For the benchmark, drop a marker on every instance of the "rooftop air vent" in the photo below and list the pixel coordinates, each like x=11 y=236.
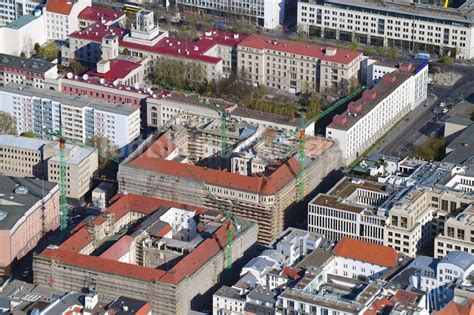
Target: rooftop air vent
x=3 y=215
x=21 y=190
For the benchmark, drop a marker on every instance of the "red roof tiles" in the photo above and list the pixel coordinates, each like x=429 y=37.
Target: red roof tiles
x=453 y=308
x=380 y=306
x=96 y=32
x=119 y=69
x=97 y=14
x=310 y=50
x=77 y=241
x=224 y=38
x=59 y=6
x=153 y=159
x=119 y=248
x=367 y=252
x=107 y=261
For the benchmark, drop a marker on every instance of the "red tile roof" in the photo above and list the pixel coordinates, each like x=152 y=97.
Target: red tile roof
x=96 y=32
x=163 y=231
x=59 y=6
x=264 y=42
x=404 y=297
x=153 y=159
x=77 y=241
x=119 y=69
x=453 y=308
x=176 y=47
x=380 y=306
x=367 y=252
x=291 y=272
x=223 y=37
x=119 y=248
x=97 y=14
x=103 y=265
x=107 y=261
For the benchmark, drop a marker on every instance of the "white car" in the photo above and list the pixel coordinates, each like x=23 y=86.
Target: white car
x=442 y=104
x=445 y=110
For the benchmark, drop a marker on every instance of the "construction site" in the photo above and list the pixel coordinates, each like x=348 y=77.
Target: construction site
x=148 y=249
x=228 y=165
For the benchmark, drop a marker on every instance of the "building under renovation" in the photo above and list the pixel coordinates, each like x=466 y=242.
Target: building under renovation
x=208 y=162
x=148 y=249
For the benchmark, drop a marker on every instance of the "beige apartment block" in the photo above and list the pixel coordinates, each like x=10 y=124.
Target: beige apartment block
x=294 y=66
x=20 y=156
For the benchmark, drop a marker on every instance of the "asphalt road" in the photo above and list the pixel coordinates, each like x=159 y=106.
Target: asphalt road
x=420 y=122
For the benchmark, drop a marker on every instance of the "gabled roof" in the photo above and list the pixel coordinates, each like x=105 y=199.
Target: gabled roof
x=460 y=308
x=97 y=14
x=119 y=69
x=366 y=252
x=59 y=6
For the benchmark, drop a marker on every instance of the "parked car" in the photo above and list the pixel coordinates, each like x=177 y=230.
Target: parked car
x=445 y=110
x=442 y=104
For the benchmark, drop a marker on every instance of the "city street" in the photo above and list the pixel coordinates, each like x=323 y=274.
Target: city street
x=420 y=124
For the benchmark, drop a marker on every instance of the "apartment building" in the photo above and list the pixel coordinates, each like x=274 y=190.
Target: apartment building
x=415 y=26
x=81 y=118
x=368 y=118
x=13 y=9
x=293 y=66
x=350 y=209
x=458 y=234
x=25 y=71
x=30 y=209
x=62 y=17
x=30 y=157
x=268 y=14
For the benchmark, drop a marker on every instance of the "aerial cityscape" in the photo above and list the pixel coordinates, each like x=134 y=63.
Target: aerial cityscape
x=244 y=157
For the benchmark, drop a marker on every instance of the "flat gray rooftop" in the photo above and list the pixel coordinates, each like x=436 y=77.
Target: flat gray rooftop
x=411 y=10
x=22 y=142
x=70 y=100
x=34 y=65
x=14 y=205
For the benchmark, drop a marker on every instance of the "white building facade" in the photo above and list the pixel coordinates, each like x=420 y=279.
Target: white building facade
x=266 y=13
x=366 y=120
x=11 y=10
x=62 y=18
x=408 y=25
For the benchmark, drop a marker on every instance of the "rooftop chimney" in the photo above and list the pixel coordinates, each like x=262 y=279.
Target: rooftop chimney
x=339 y=120
x=369 y=95
x=389 y=78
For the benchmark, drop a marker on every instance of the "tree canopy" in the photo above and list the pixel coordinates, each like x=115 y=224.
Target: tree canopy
x=7 y=124
x=48 y=51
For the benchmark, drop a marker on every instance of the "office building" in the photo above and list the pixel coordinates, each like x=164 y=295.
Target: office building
x=81 y=118
x=29 y=209
x=257 y=170
x=24 y=71
x=170 y=247
x=294 y=66
x=350 y=209
x=268 y=14
x=30 y=157
x=403 y=24
x=457 y=235
x=380 y=108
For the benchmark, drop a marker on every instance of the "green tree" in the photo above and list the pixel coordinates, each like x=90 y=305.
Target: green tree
x=48 y=51
x=430 y=150
x=354 y=45
x=77 y=67
x=392 y=53
x=107 y=150
x=368 y=51
x=446 y=60
x=28 y=134
x=381 y=50
x=7 y=124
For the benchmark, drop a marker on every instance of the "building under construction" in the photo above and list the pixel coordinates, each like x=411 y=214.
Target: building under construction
x=251 y=170
x=148 y=249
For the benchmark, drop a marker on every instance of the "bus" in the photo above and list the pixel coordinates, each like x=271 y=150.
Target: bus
x=131 y=7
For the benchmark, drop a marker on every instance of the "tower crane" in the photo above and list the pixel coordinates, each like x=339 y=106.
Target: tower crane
x=228 y=211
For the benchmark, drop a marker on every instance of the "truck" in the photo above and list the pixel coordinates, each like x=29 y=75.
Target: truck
x=422 y=56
